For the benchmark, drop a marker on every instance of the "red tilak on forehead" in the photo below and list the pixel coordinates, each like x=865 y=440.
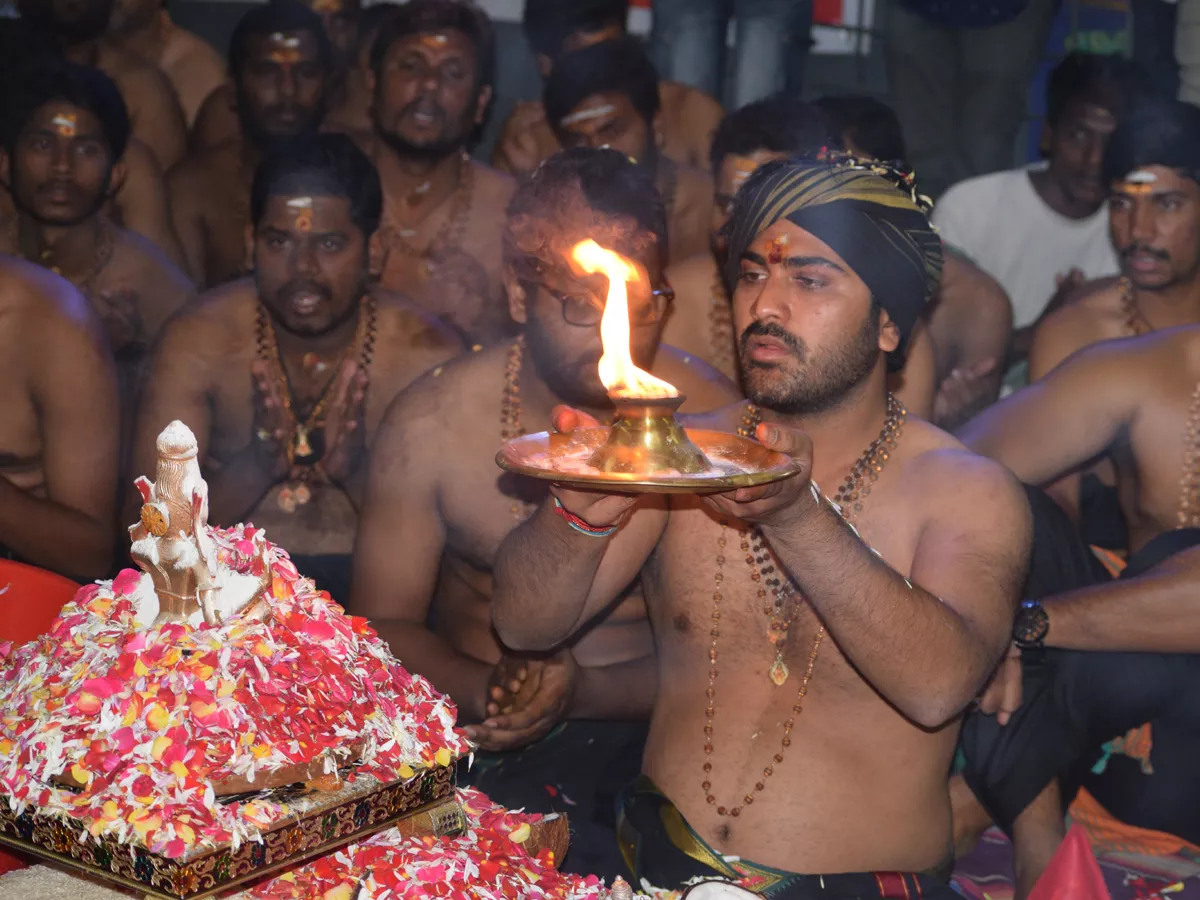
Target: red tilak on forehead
x=778 y=250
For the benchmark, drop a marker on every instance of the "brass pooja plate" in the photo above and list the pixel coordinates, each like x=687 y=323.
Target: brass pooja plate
x=323 y=823
x=553 y=456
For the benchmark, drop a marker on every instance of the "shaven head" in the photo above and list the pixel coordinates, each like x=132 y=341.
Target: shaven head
x=865 y=126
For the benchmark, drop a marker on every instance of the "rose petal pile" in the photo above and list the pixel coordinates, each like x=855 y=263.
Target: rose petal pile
x=488 y=862
x=151 y=718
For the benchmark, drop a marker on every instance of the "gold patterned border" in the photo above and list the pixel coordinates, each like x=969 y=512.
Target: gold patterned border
x=313 y=834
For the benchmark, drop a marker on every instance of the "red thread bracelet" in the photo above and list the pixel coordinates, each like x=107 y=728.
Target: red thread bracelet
x=579 y=524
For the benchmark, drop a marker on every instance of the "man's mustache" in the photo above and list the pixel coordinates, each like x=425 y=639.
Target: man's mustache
x=771 y=330
x=1144 y=250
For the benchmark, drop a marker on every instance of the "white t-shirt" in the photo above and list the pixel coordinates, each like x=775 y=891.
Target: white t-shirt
x=1006 y=228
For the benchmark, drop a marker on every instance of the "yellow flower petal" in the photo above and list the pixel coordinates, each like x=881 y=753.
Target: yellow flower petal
x=179 y=770
x=139 y=668
x=521 y=833
x=443 y=757
x=80 y=774
x=160 y=745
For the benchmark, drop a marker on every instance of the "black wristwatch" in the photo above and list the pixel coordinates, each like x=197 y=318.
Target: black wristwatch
x=1031 y=626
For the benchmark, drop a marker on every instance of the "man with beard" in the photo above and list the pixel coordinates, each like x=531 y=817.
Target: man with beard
x=64 y=137
x=799 y=657
x=606 y=95
x=217 y=121
x=58 y=440
x=140 y=202
x=280 y=61
x=1040 y=232
x=554 y=29
x=701 y=320
x=1152 y=172
x=1103 y=656
x=194 y=68
x=444 y=501
x=78 y=27
x=432 y=69
x=285 y=377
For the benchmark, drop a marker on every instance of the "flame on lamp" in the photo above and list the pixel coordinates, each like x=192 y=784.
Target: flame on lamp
x=618 y=374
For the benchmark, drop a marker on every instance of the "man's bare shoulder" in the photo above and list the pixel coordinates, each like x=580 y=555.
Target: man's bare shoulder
x=493 y=187
x=133 y=74
x=402 y=321
x=704 y=387
x=139 y=254
x=38 y=298
x=189 y=53
x=216 y=320
x=199 y=171
x=941 y=474
x=688 y=101
x=455 y=399
x=1092 y=313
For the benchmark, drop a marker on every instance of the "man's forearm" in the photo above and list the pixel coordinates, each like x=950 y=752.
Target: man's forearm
x=1155 y=612
x=53 y=536
x=544 y=572
x=912 y=648
x=425 y=653
x=621 y=691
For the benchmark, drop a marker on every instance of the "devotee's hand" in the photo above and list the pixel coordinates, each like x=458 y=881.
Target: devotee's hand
x=345 y=431
x=600 y=510
x=962 y=391
x=505 y=683
x=272 y=426
x=118 y=311
x=1066 y=284
x=544 y=700
x=1002 y=697
x=780 y=502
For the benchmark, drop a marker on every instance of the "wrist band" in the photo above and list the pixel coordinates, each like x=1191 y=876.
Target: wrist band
x=581 y=526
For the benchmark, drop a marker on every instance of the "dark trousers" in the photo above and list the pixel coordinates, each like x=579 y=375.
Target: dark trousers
x=1075 y=701
x=961 y=94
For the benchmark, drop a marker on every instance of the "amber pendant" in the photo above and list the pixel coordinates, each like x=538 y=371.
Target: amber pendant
x=301 y=448
x=778 y=671
x=303 y=493
x=287 y=500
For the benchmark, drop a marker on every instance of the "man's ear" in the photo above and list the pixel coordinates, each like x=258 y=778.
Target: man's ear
x=889 y=333
x=116 y=178
x=517 y=297
x=1044 y=139
x=482 y=104
x=376 y=256
x=248 y=237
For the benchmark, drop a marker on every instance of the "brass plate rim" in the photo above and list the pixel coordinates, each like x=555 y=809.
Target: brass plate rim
x=781 y=465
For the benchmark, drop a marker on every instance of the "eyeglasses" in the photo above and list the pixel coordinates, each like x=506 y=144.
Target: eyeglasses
x=583 y=308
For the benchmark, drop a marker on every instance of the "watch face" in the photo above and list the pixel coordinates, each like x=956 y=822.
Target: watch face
x=1032 y=624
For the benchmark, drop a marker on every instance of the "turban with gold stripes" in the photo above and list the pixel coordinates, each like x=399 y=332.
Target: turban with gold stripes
x=867 y=212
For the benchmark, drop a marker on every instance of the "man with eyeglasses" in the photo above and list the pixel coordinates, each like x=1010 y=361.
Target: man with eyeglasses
x=437 y=507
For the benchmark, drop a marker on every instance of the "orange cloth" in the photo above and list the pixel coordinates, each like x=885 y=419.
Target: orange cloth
x=1109 y=835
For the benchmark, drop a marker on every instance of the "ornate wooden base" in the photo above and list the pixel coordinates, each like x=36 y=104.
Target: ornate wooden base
x=321 y=823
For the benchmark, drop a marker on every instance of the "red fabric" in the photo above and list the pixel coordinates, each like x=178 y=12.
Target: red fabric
x=32 y=600
x=827 y=12
x=11 y=863
x=1073 y=873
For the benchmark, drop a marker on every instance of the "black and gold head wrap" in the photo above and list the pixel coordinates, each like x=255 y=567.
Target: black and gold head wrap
x=869 y=213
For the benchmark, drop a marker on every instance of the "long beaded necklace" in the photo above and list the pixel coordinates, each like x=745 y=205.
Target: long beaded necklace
x=305 y=446
x=450 y=235
x=1135 y=323
x=782 y=613
x=720 y=323
x=1189 y=488
x=510 y=413
x=1188 y=515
